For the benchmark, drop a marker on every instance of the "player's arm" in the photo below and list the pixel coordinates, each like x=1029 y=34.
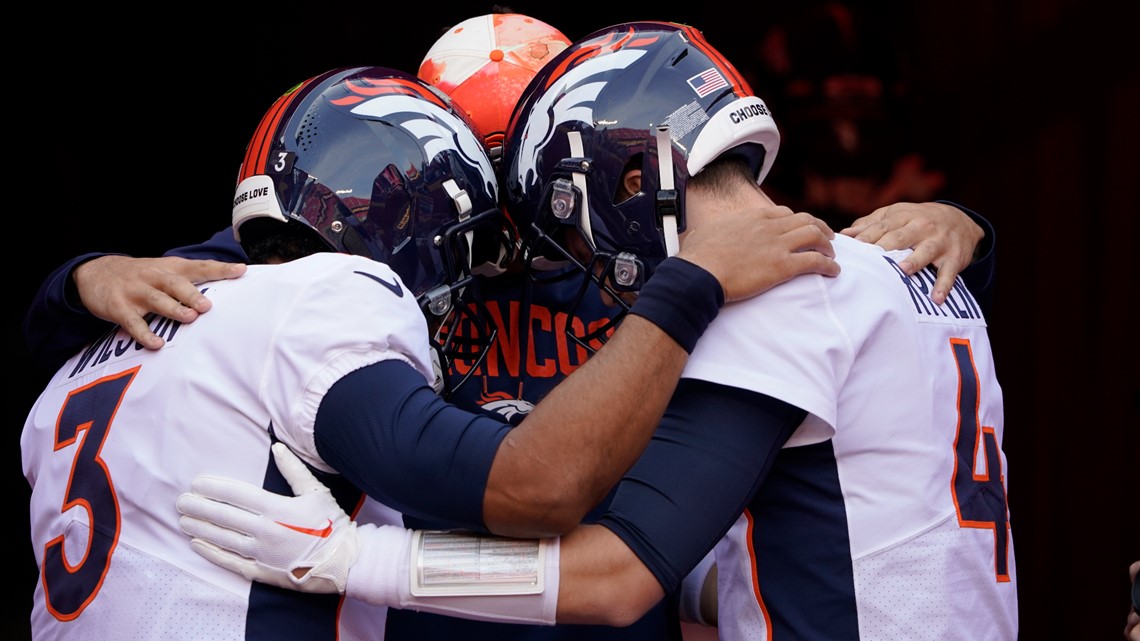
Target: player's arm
x=86 y=295
x=949 y=236
x=712 y=450
x=405 y=446
x=412 y=451
x=56 y=324
x=589 y=430
x=659 y=526
x=422 y=457
x=979 y=275
x=662 y=522
x=714 y=447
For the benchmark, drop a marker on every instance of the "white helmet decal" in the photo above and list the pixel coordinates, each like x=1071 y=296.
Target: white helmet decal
x=441 y=132
x=569 y=99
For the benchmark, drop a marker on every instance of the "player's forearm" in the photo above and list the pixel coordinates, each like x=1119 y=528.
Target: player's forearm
x=585 y=435
x=56 y=323
x=979 y=275
x=602 y=581
x=589 y=576
x=579 y=441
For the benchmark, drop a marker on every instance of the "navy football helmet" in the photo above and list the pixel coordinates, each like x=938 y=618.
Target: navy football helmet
x=653 y=96
x=379 y=163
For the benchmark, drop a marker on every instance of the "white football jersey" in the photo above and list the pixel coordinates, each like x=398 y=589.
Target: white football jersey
x=121 y=431
x=906 y=411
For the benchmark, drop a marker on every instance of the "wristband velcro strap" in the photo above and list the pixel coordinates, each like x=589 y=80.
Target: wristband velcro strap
x=682 y=299
x=391 y=563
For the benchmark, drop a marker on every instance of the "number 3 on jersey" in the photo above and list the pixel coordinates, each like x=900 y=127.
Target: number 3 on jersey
x=91 y=409
x=979 y=498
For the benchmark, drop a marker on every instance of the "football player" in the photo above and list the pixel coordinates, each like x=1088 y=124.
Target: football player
x=540 y=333
x=837 y=440
x=368 y=203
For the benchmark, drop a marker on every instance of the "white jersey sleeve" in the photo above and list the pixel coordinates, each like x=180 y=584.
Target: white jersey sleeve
x=347 y=313
x=787 y=344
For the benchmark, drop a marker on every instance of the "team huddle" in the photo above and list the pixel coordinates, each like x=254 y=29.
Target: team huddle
x=524 y=351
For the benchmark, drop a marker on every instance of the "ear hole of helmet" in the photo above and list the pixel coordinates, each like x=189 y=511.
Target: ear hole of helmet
x=628 y=186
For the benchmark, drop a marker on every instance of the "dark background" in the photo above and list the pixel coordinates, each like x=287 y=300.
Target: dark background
x=129 y=140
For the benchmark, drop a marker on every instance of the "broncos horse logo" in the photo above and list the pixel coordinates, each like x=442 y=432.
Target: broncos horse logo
x=436 y=128
x=404 y=103
x=570 y=98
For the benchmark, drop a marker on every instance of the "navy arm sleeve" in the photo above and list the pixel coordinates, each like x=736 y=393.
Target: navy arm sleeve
x=221 y=246
x=389 y=434
x=713 y=449
x=979 y=275
x=57 y=325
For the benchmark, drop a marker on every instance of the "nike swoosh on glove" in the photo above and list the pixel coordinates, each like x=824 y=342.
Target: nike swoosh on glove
x=304 y=542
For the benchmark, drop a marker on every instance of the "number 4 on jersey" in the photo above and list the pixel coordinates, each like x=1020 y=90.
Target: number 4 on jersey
x=979 y=498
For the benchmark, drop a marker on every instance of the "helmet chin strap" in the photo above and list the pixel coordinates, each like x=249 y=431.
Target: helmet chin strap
x=463 y=206
x=579 y=178
x=665 y=183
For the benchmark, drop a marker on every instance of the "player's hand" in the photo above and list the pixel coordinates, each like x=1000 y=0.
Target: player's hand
x=304 y=543
x=941 y=235
x=752 y=250
x=123 y=290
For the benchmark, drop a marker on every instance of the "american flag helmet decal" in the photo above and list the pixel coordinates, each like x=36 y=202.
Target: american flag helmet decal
x=707 y=82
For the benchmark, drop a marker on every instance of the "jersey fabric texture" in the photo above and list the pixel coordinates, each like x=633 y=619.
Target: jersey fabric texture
x=884 y=516
x=120 y=431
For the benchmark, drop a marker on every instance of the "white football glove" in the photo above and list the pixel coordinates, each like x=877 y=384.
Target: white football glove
x=304 y=542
